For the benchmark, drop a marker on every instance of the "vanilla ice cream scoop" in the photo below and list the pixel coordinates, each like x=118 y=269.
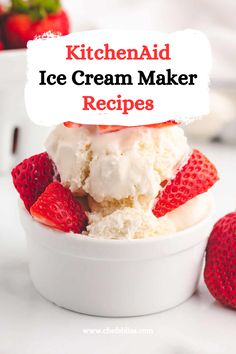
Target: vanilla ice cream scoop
x=70 y=150
x=120 y=174
x=130 y=163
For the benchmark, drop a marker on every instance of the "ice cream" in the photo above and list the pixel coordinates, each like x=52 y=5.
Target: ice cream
x=129 y=223
x=128 y=164
x=120 y=174
x=134 y=223
x=191 y=212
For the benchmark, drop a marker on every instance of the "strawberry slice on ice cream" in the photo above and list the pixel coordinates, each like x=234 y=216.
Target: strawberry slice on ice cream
x=57 y=208
x=70 y=124
x=196 y=177
x=114 y=128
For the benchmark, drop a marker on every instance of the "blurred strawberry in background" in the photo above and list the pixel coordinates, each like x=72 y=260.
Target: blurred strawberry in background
x=1 y=43
x=26 y=19
x=2 y=13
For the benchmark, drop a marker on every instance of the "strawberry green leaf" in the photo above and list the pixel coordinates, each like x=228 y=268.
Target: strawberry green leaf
x=52 y=6
x=20 y=6
x=36 y=9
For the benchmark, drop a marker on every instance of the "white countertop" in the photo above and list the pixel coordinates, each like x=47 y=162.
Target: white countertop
x=30 y=324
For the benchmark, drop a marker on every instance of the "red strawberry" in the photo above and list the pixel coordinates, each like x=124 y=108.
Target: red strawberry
x=220 y=268
x=169 y=123
x=2 y=10
x=56 y=207
x=101 y=128
x=196 y=177
x=32 y=176
x=113 y=128
x=70 y=124
x=2 y=16
x=28 y=19
x=110 y=128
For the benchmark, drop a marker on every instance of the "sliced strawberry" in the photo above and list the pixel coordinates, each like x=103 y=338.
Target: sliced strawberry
x=113 y=128
x=196 y=177
x=110 y=128
x=72 y=125
x=169 y=123
x=101 y=128
x=32 y=176
x=56 y=207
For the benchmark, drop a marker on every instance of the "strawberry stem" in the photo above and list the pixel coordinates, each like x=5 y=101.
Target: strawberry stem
x=36 y=9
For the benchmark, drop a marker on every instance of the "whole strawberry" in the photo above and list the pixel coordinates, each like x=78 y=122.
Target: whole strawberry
x=195 y=177
x=220 y=268
x=32 y=176
x=29 y=18
x=57 y=208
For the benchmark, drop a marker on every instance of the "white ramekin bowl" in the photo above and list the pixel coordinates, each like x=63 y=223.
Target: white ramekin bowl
x=115 y=277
